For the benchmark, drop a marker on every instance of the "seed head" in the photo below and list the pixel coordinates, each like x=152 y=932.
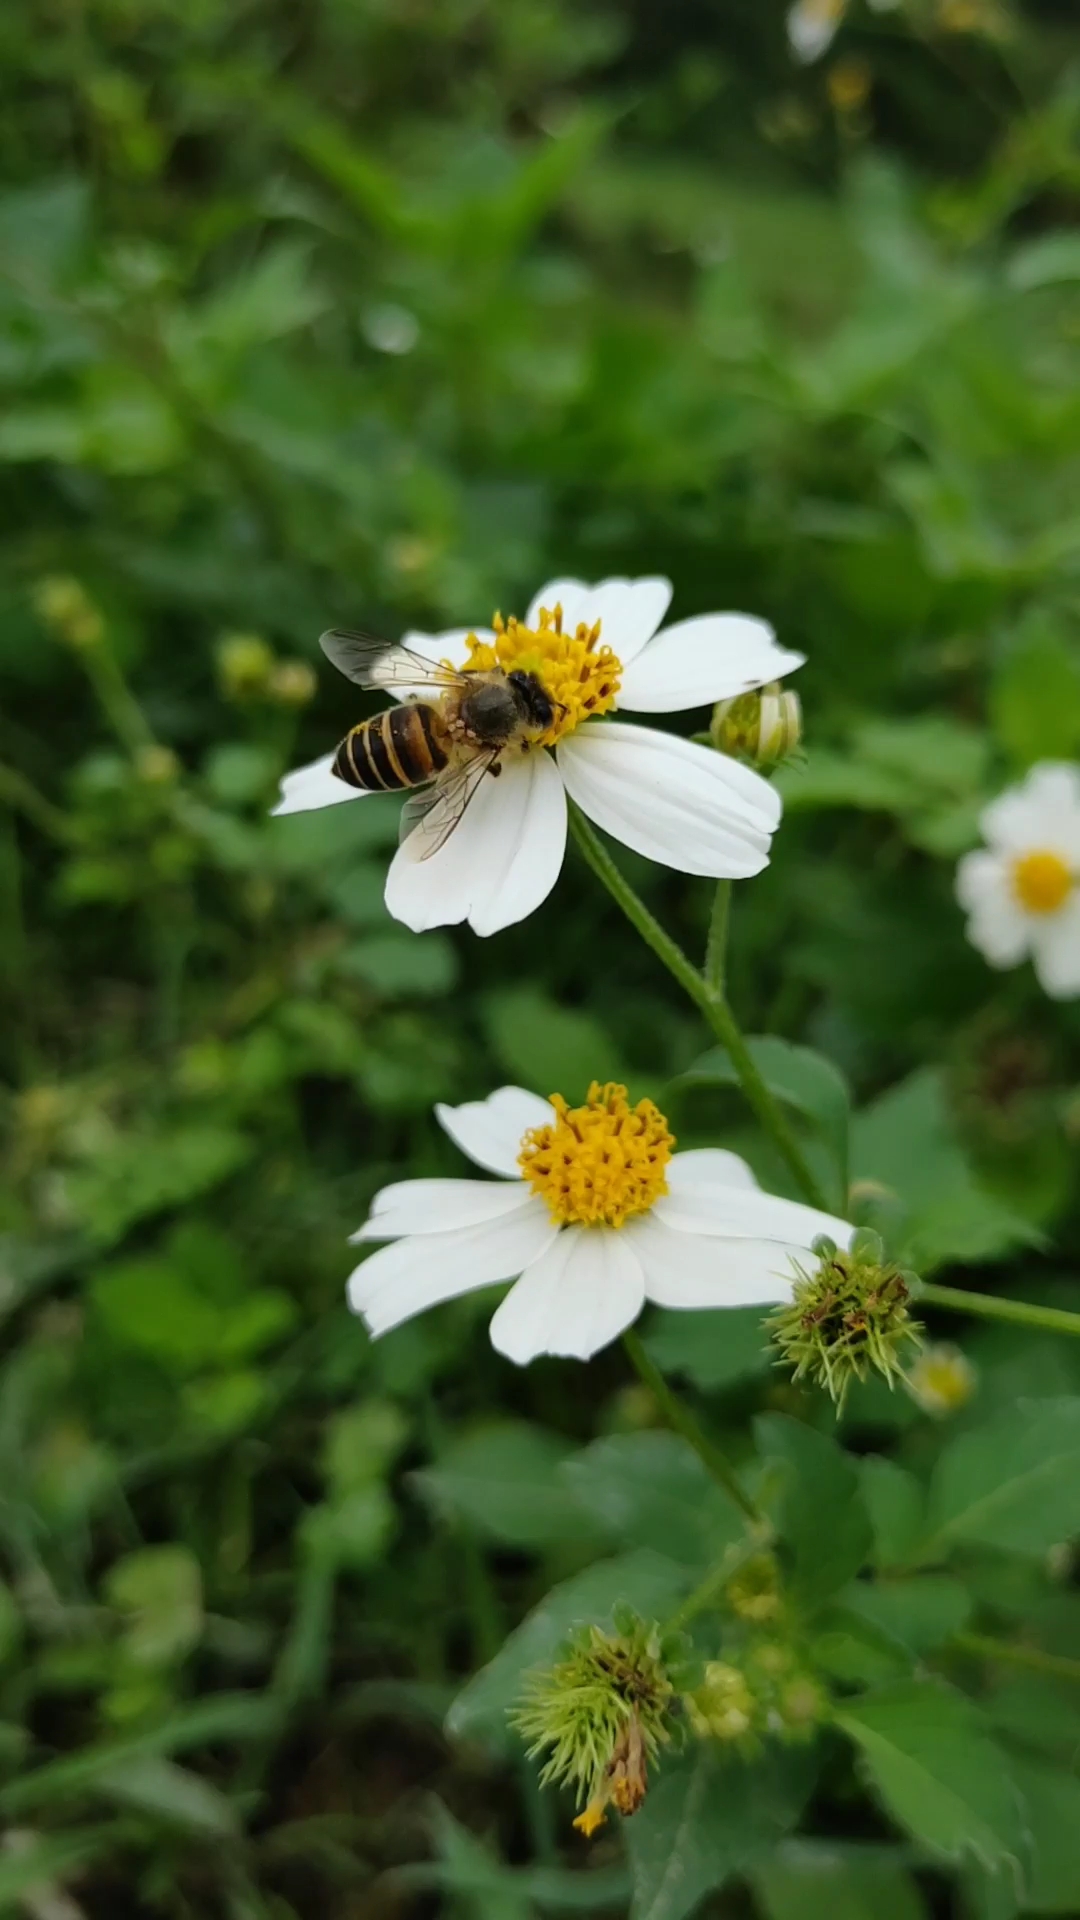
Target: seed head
x=601 y=1714
x=848 y=1317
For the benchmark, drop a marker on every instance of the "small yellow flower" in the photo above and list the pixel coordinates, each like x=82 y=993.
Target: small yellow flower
x=941 y=1380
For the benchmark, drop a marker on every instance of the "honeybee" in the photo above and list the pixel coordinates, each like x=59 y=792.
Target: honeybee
x=445 y=745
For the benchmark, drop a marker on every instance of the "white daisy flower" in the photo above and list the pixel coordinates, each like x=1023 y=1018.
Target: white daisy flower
x=594 y=1211
x=596 y=650
x=1022 y=890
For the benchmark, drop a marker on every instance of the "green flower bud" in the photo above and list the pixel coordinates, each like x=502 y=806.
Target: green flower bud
x=602 y=1713
x=245 y=664
x=724 y=1707
x=763 y=727
x=754 y=1592
x=847 y=1318
x=292 y=683
x=65 y=606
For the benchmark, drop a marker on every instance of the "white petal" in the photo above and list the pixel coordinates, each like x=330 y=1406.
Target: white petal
x=438 y=1206
x=1055 y=950
x=500 y=862
x=1042 y=812
x=453 y=645
x=698 y=661
x=416 y=1273
x=997 y=925
x=629 y=611
x=708 y=1167
x=811 y=27
x=316 y=785
x=680 y=804
x=491 y=1131
x=746 y=1213
x=699 y=1270
x=573 y=1300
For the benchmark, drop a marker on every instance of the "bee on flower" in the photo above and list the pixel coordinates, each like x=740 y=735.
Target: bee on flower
x=594 y=1213
x=499 y=727
x=1021 y=891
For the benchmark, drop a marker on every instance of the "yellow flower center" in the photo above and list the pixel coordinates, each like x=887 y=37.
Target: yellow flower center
x=580 y=676
x=1041 y=881
x=599 y=1164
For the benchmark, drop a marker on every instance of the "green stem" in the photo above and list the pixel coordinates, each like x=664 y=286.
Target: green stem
x=987 y=1306
x=680 y=1418
x=716 y=950
x=711 y=1588
x=712 y=1005
x=1055 y=1665
x=18 y=792
x=118 y=703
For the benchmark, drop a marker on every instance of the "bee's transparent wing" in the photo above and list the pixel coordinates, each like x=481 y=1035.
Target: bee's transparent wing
x=372 y=662
x=438 y=811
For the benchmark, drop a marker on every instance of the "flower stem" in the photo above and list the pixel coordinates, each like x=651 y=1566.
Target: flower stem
x=680 y=1418
x=1055 y=1665
x=987 y=1306
x=710 y=1003
x=718 y=1577
x=716 y=950
x=18 y=792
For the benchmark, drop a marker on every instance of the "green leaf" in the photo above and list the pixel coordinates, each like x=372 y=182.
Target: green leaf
x=651 y=1490
x=402 y=964
x=797 y=1075
x=158 y=1786
x=706 y=1817
x=808 y=1881
x=931 y=1759
x=1012 y=1483
x=141 y=1176
x=820 y=1512
x=921 y=1612
x=906 y=1144
x=896 y=1503
x=505 y=1480
x=160 y=1589
x=1035 y=696
x=547 y=1046
x=714 y=1350
x=1052 y=1797
x=645 y=1581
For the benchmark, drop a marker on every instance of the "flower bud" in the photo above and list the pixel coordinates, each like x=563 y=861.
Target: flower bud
x=601 y=1715
x=754 y=1592
x=763 y=727
x=65 y=606
x=941 y=1379
x=292 y=683
x=724 y=1706
x=245 y=664
x=847 y=1318
x=157 y=766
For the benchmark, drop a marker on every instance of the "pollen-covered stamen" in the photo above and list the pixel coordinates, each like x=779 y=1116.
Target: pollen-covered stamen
x=580 y=676
x=1041 y=881
x=599 y=1164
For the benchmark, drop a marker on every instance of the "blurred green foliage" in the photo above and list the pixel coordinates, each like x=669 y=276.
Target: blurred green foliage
x=383 y=314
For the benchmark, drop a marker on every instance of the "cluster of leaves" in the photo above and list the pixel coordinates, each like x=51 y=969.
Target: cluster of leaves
x=384 y=314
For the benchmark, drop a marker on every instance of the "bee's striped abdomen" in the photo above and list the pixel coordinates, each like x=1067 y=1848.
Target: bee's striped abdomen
x=402 y=747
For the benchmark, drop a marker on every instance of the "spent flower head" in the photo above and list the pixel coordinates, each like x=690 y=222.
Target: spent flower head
x=602 y=1713
x=848 y=1317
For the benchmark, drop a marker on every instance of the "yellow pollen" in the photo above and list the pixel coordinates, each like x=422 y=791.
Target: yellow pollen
x=1041 y=881
x=599 y=1164
x=580 y=676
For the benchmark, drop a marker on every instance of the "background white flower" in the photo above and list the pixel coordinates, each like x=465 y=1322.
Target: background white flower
x=594 y=1212
x=1022 y=890
x=669 y=799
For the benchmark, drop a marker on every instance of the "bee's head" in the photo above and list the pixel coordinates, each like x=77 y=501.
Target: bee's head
x=533 y=699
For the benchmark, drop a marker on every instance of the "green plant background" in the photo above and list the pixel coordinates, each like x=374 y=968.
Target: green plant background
x=382 y=313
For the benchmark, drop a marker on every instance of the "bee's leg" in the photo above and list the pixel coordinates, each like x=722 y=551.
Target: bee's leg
x=495 y=769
